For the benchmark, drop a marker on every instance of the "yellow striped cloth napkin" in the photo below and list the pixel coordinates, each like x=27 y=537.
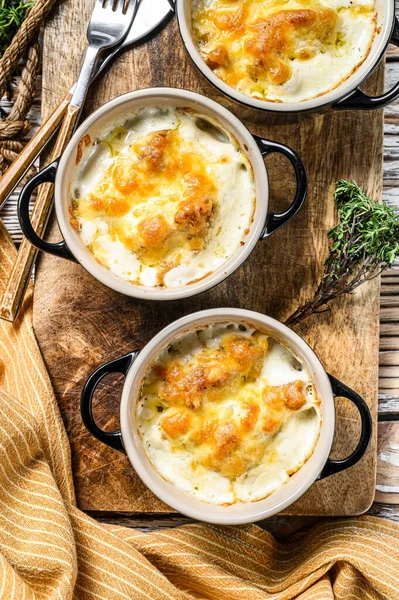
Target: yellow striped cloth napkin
x=50 y=549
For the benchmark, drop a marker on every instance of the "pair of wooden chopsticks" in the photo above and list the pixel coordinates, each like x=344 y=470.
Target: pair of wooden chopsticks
x=20 y=274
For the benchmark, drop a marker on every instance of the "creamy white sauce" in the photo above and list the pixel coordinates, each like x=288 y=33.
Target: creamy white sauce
x=331 y=65
x=229 y=224
x=286 y=451
x=325 y=71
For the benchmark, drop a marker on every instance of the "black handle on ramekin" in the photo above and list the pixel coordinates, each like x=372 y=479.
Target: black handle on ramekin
x=343 y=391
x=276 y=220
x=46 y=175
x=119 y=365
x=358 y=100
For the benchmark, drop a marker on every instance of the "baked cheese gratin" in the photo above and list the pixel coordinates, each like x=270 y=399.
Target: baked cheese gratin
x=284 y=50
x=227 y=414
x=163 y=197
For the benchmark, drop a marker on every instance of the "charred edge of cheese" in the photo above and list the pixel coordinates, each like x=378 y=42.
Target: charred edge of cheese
x=227 y=414
x=163 y=197
x=284 y=50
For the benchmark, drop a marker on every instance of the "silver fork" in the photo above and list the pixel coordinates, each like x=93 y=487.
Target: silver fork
x=109 y=24
x=142 y=25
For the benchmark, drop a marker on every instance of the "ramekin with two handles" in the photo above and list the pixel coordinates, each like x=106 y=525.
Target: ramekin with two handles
x=60 y=172
x=347 y=95
x=135 y=365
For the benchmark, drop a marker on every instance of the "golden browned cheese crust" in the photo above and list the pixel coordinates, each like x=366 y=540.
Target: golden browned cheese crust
x=254 y=45
x=151 y=165
x=197 y=396
x=163 y=197
x=286 y=35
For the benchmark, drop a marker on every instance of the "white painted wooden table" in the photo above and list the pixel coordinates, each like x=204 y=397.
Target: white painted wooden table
x=387 y=493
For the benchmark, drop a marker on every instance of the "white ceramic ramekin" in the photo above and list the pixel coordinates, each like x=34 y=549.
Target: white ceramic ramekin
x=60 y=172
x=134 y=366
x=345 y=96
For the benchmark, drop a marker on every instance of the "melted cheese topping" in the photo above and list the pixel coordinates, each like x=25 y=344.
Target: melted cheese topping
x=284 y=50
x=163 y=197
x=227 y=414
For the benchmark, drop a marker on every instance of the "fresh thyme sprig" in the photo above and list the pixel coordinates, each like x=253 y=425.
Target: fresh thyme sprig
x=12 y=13
x=364 y=243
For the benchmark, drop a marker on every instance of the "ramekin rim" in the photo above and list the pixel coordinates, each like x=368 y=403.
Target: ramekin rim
x=235 y=261
x=202 y=510
x=338 y=93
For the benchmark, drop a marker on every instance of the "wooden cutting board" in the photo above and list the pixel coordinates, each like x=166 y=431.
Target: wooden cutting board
x=80 y=324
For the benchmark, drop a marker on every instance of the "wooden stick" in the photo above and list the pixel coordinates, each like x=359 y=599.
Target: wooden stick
x=20 y=274
x=19 y=167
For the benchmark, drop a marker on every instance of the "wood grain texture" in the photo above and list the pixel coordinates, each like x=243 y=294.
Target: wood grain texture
x=387 y=489
x=80 y=323
x=20 y=275
x=281 y=527
x=388 y=405
x=8 y=213
x=20 y=166
x=385 y=511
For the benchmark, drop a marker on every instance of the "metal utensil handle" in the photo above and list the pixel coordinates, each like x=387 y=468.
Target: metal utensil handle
x=35 y=147
x=37 y=144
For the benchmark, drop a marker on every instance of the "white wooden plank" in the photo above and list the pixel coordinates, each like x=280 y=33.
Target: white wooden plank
x=388 y=403
x=389 y=342
x=387 y=487
x=385 y=511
